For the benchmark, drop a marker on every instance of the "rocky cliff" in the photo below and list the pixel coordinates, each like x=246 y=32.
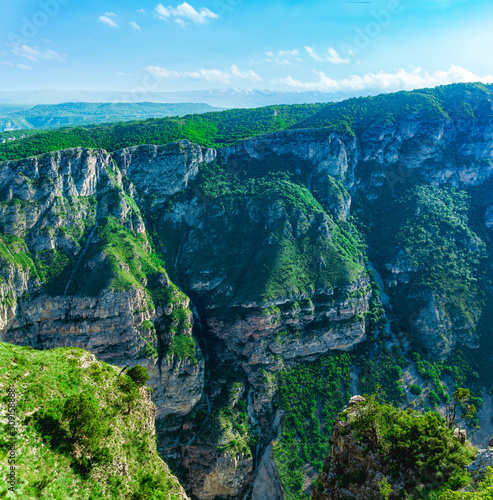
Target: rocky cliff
x=222 y=270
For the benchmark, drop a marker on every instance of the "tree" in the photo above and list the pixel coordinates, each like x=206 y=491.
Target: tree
x=139 y=375
x=461 y=397
x=82 y=413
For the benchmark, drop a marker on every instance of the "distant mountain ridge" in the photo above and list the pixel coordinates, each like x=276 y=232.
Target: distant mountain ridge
x=228 y=98
x=91 y=113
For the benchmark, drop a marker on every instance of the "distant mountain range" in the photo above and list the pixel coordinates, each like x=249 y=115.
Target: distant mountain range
x=23 y=117
x=225 y=98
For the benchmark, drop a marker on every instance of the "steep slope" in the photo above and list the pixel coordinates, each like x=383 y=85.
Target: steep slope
x=289 y=249
x=78 y=270
x=109 y=453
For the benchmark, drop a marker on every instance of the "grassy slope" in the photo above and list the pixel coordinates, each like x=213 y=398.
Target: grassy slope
x=52 y=465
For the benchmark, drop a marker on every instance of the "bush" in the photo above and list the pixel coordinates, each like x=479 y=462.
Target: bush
x=82 y=413
x=139 y=375
x=416 y=448
x=415 y=389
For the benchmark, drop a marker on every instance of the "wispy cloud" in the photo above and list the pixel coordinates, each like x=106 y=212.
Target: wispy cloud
x=185 y=13
x=134 y=26
x=12 y=65
x=283 y=57
x=211 y=75
x=141 y=11
x=335 y=58
x=313 y=54
x=35 y=54
x=107 y=20
x=383 y=81
x=332 y=57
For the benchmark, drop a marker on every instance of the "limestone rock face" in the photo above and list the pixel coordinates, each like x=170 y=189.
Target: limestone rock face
x=267 y=485
x=349 y=454
x=223 y=253
x=158 y=172
x=477 y=469
x=53 y=205
x=216 y=474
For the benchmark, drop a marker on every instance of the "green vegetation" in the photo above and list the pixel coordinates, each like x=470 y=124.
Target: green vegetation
x=14 y=250
x=484 y=491
x=458 y=101
x=275 y=253
x=183 y=347
x=416 y=450
x=427 y=232
x=79 y=425
x=311 y=396
x=139 y=375
x=213 y=129
x=226 y=427
x=85 y=113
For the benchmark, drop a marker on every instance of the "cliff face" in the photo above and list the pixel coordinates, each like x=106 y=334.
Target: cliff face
x=66 y=282
x=270 y=270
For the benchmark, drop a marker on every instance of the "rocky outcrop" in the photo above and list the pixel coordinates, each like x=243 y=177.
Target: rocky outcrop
x=158 y=172
x=53 y=209
x=214 y=474
x=267 y=485
x=478 y=468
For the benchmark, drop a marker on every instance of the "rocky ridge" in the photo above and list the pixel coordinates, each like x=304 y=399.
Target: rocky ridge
x=54 y=212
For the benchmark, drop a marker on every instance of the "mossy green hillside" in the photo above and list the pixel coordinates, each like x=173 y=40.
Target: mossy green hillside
x=267 y=235
x=428 y=233
x=114 y=458
x=213 y=129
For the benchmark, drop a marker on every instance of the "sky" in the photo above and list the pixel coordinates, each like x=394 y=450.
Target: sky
x=291 y=45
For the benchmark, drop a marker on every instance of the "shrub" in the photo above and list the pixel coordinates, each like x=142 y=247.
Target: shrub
x=82 y=413
x=415 y=389
x=139 y=375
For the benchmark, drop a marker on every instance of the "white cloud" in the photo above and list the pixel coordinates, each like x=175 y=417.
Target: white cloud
x=313 y=54
x=110 y=14
x=184 y=13
x=382 y=81
x=120 y=73
x=134 y=26
x=162 y=73
x=11 y=65
x=35 y=54
x=245 y=75
x=283 y=57
x=108 y=21
x=211 y=75
x=141 y=11
x=335 y=58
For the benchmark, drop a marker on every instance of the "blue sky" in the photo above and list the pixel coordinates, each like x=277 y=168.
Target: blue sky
x=329 y=45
